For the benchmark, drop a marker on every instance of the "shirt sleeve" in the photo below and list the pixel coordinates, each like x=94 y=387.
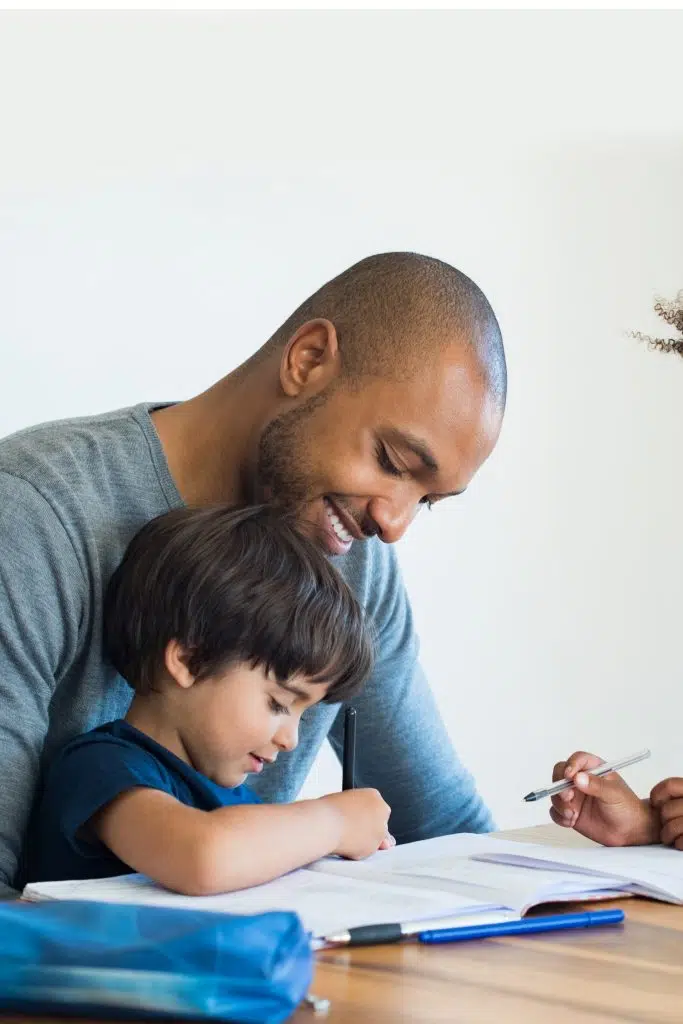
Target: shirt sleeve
x=402 y=747
x=42 y=599
x=87 y=776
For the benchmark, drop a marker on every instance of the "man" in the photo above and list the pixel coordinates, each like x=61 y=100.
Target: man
x=384 y=392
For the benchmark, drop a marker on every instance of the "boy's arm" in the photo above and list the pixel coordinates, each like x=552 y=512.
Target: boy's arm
x=200 y=853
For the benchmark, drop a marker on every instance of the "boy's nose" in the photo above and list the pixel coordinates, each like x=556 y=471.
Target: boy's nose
x=287 y=735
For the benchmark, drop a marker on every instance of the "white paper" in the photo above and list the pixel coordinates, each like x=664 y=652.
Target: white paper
x=325 y=904
x=655 y=871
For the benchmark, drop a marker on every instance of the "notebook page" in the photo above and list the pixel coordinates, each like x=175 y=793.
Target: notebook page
x=516 y=887
x=325 y=904
x=402 y=858
x=449 y=863
x=655 y=871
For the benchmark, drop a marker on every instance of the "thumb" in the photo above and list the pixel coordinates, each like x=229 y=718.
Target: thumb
x=606 y=788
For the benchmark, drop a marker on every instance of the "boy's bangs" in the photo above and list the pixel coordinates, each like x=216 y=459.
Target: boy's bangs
x=320 y=645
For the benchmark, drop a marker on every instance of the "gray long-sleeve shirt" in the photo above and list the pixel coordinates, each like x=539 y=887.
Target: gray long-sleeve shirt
x=72 y=494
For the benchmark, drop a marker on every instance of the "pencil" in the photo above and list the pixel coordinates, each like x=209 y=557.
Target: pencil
x=349 y=762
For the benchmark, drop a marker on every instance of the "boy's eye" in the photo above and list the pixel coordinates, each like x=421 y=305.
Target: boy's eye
x=385 y=462
x=276 y=707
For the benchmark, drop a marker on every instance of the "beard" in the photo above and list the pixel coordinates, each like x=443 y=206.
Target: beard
x=284 y=474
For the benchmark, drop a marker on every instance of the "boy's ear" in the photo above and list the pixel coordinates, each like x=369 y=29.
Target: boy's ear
x=175 y=660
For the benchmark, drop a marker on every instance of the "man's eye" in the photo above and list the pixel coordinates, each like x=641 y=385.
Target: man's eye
x=276 y=707
x=385 y=462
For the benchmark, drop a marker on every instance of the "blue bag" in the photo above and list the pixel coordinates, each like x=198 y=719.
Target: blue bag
x=108 y=960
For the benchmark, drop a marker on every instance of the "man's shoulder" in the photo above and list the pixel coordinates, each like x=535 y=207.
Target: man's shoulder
x=70 y=446
x=88 y=471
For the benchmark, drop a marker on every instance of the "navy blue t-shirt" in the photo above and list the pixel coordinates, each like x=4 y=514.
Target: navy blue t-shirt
x=87 y=775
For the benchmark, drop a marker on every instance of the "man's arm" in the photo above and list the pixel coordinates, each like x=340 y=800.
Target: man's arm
x=402 y=748
x=41 y=597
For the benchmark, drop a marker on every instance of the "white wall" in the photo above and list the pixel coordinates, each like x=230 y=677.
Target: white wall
x=172 y=185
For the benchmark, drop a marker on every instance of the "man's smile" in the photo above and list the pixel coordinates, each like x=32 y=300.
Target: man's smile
x=338 y=528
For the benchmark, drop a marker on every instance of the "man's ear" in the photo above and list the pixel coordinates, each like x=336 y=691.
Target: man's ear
x=175 y=660
x=311 y=359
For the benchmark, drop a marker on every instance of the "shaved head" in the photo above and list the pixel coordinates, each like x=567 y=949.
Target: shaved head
x=394 y=310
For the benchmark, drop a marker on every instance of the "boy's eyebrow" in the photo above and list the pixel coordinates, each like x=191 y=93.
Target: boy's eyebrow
x=294 y=689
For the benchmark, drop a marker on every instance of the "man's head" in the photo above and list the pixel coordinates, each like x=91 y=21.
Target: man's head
x=392 y=387
x=232 y=623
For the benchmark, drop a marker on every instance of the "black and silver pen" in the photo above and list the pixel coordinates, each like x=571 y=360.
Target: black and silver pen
x=370 y=935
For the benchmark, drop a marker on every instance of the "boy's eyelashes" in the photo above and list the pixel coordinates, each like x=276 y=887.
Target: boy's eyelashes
x=276 y=707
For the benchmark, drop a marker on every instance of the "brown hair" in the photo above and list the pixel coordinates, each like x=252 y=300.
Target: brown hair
x=672 y=313
x=234 y=585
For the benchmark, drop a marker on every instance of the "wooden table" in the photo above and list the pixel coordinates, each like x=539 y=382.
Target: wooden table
x=598 y=976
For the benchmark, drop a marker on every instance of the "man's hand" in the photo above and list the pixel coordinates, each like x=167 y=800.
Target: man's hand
x=667 y=798
x=603 y=808
x=363 y=821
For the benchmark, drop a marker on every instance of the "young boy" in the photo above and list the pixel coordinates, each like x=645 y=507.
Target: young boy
x=228 y=624
x=605 y=809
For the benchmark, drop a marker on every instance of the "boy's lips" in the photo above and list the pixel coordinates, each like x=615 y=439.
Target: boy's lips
x=258 y=762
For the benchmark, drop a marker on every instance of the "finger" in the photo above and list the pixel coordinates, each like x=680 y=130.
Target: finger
x=387 y=843
x=671 y=809
x=667 y=789
x=565 y=818
x=558 y=771
x=609 y=789
x=565 y=797
x=561 y=804
x=672 y=831
x=678 y=845
x=581 y=761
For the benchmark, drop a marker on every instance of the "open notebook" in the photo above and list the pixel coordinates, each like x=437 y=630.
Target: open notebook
x=439 y=881
x=652 y=871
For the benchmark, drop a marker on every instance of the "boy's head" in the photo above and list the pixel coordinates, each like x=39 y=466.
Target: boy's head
x=235 y=622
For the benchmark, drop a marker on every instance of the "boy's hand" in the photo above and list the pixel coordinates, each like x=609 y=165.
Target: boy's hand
x=363 y=819
x=667 y=798
x=602 y=808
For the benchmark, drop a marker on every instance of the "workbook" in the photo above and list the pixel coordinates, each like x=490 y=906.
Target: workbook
x=434 y=883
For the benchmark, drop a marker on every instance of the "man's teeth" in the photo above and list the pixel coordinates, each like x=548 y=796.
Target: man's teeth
x=337 y=526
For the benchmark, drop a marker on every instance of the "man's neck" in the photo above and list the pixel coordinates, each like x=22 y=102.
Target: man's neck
x=210 y=441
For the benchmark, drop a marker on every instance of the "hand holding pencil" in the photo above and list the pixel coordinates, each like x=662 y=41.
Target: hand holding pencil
x=362 y=802
x=602 y=808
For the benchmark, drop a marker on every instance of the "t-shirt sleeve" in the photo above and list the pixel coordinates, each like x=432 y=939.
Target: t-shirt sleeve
x=87 y=776
x=43 y=593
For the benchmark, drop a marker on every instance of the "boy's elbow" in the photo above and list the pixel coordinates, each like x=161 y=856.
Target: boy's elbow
x=201 y=870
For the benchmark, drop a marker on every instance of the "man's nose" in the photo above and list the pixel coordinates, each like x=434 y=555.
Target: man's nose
x=287 y=735
x=392 y=518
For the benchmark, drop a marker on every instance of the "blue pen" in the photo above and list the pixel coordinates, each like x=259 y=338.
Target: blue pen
x=526 y=926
